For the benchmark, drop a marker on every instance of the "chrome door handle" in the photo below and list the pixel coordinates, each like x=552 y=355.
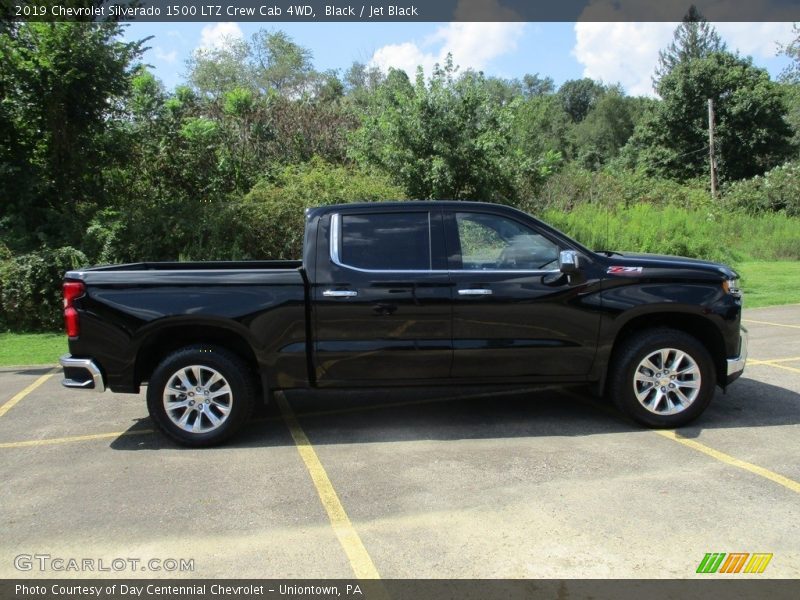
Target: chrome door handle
x=340 y=293
x=474 y=292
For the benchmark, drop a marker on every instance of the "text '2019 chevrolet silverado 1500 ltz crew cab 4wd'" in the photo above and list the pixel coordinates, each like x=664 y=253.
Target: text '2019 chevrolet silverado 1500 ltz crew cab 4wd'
x=411 y=293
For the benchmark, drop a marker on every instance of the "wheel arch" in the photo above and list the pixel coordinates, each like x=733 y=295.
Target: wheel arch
x=167 y=339
x=697 y=326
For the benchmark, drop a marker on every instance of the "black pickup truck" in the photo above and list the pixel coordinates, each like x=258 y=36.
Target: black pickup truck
x=401 y=294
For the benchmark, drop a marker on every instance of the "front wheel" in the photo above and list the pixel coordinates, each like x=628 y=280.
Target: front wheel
x=662 y=378
x=200 y=395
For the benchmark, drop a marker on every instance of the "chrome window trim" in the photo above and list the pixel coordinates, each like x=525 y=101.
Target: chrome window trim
x=336 y=241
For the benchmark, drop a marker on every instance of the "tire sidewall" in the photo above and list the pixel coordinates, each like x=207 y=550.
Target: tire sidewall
x=231 y=370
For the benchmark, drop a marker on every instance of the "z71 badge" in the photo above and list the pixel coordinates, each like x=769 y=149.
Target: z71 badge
x=617 y=270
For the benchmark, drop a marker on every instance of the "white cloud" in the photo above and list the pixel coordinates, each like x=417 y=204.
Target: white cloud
x=219 y=35
x=473 y=44
x=163 y=55
x=627 y=53
x=759 y=40
x=406 y=56
x=624 y=53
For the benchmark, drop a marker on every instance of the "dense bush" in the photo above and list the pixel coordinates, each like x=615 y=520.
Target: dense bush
x=269 y=221
x=30 y=288
x=777 y=190
x=574 y=186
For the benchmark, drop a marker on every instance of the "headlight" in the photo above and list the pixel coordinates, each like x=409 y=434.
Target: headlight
x=731 y=286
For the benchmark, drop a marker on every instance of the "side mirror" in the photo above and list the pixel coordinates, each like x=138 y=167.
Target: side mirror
x=568 y=261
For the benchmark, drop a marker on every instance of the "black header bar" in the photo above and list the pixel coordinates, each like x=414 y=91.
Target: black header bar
x=326 y=11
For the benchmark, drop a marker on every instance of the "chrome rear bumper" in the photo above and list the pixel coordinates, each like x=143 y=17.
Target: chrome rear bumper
x=81 y=373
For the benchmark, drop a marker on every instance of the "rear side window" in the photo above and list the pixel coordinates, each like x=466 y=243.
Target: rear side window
x=387 y=241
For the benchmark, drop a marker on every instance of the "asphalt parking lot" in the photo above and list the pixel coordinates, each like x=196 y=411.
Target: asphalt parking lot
x=463 y=483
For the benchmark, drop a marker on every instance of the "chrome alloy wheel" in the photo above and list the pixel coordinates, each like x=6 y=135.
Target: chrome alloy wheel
x=197 y=399
x=667 y=381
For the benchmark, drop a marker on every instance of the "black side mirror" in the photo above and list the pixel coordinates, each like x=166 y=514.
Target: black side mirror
x=568 y=261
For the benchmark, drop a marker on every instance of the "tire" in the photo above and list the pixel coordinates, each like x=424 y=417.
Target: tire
x=205 y=412
x=662 y=378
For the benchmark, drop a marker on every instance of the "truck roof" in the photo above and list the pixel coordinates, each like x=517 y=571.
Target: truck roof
x=407 y=204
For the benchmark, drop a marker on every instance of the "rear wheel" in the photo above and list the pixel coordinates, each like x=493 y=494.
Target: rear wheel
x=200 y=395
x=662 y=378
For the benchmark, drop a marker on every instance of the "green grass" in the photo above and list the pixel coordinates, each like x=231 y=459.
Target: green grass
x=731 y=238
x=769 y=283
x=31 y=348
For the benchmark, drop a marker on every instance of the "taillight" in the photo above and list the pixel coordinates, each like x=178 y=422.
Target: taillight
x=72 y=291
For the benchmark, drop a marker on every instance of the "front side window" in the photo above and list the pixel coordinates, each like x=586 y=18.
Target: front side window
x=492 y=242
x=386 y=241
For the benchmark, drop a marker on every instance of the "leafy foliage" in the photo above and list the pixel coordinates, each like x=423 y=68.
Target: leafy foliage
x=30 y=288
x=103 y=164
x=694 y=38
x=579 y=96
x=751 y=133
x=777 y=191
x=269 y=221
x=440 y=138
x=62 y=86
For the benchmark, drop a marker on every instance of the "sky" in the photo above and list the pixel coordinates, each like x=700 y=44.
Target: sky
x=624 y=53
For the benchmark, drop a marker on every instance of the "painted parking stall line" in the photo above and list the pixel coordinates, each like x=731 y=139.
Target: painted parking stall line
x=20 y=395
x=773 y=323
x=789 y=484
x=74 y=438
x=786 y=482
x=348 y=537
x=774 y=364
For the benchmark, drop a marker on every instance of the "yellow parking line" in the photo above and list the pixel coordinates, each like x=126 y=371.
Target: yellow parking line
x=707 y=450
x=771 y=363
x=779 y=360
x=15 y=400
x=730 y=460
x=771 y=323
x=348 y=537
x=74 y=438
x=302 y=415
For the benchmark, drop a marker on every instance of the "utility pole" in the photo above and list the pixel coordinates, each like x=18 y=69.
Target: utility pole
x=712 y=159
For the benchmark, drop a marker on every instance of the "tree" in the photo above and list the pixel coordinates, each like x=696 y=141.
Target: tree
x=578 y=97
x=440 y=138
x=533 y=85
x=606 y=129
x=751 y=133
x=693 y=38
x=791 y=74
x=541 y=125
x=63 y=88
x=214 y=71
x=280 y=64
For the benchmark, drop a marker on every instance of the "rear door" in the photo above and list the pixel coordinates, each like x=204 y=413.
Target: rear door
x=382 y=308
x=515 y=314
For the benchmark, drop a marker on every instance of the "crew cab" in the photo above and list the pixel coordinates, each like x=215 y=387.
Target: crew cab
x=404 y=294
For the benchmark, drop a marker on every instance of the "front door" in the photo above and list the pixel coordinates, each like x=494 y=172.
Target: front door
x=515 y=314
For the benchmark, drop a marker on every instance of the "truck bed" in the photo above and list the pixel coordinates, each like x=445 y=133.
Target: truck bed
x=219 y=265
x=150 y=274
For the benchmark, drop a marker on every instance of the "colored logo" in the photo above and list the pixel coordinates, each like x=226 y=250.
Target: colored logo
x=617 y=270
x=734 y=562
